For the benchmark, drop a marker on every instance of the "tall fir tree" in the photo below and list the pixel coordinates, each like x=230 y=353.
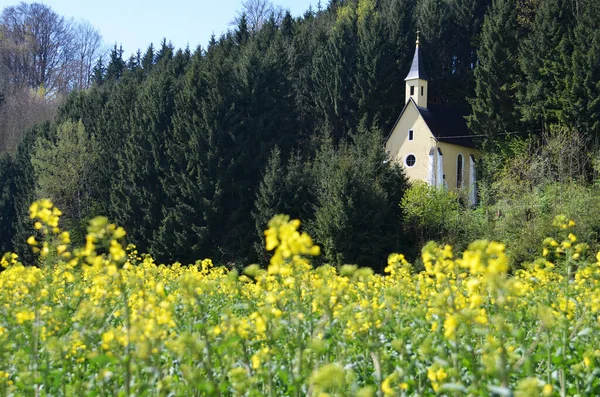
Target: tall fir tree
x=192 y=184
x=137 y=197
x=7 y=203
x=585 y=105
x=25 y=180
x=116 y=65
x=333 y=75
x=544 y=59
x=494 y=109
x=285 y=188
x=378 y=78
x=99 y=72
x=357 y=217
x=148 y=59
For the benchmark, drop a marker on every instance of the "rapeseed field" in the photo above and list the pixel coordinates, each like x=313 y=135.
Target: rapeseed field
x=103 y=320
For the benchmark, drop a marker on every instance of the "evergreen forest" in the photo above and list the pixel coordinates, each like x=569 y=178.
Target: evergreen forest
x=193 y=150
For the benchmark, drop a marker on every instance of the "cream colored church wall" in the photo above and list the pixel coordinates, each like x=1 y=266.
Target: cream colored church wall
x=398 y=146
x=450 y=153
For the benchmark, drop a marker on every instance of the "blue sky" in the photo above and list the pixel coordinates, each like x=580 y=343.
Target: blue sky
x=137 y=23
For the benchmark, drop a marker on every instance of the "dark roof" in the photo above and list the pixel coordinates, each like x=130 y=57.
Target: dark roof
x=417 y=69
x=446 y=124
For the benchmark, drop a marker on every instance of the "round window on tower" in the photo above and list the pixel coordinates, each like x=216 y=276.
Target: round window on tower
x=410 y=160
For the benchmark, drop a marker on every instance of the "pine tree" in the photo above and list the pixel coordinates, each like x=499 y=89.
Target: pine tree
x=166 y=51
x=25 y=190
x=137 y=197
x=544 y=59
x=378 y=79
x=99 y=72
x=7 y=203
x=116 y=64
x=242 y=33
x=284 y=189
x=494 y=107
x=115 y=125
x=193 y=184
x=148 y=59
x=287 y=26
x=357 y=215
x=585 y=105
x=333 y=75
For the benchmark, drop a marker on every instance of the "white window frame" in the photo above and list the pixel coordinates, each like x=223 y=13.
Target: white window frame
x=411 y=135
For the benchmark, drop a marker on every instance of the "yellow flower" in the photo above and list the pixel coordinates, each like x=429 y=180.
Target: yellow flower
x=386 y=387
x=450 y=324
x=586 y=362
x=255 y=361
x=24 y=316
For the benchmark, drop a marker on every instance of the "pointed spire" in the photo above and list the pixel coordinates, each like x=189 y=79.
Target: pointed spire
x=417 y=69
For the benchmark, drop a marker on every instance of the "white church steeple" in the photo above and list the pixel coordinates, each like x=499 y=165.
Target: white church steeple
x=416 y=80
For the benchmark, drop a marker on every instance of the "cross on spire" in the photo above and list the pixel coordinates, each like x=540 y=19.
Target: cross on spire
x=418 y=32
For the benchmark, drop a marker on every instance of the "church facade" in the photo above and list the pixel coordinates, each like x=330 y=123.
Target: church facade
x=430 y=141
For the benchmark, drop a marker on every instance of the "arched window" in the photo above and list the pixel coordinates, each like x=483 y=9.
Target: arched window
x=459 y=171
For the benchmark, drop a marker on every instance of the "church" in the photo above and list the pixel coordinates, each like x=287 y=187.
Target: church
x=430 y=141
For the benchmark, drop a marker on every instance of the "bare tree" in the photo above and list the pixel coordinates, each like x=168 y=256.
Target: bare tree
x=40 y=49
x=258 y=12
x=42 y=56
x=88 y=48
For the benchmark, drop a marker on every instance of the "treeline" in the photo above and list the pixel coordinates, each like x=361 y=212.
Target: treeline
x=193 y=151
x=538 y=65
x=173 y=145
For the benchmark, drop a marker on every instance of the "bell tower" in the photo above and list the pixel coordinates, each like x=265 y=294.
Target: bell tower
x=416 y=80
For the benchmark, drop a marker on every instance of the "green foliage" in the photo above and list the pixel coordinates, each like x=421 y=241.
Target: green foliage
x=25 y=186
x=494 y=107
x=7 y=202
x=545 y=60
x=286 y=188
x=356 y=210
x=183 y=142
x=65 y=170
x=137 y=199
x=430 y=213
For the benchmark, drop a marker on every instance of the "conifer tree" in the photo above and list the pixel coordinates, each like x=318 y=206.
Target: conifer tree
x=196 y=157
x=285 y=188
x=357 y=215
x=242 y=33
x=378 y=77
x=115 y=125
x=7 y=203
x=116 y=64
x=137 y=197
x=585 y=105
x=148 y=59
x=333 y=77
x=25 y=190
x=494 y=107
x=544 y=59
x=99 y=72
